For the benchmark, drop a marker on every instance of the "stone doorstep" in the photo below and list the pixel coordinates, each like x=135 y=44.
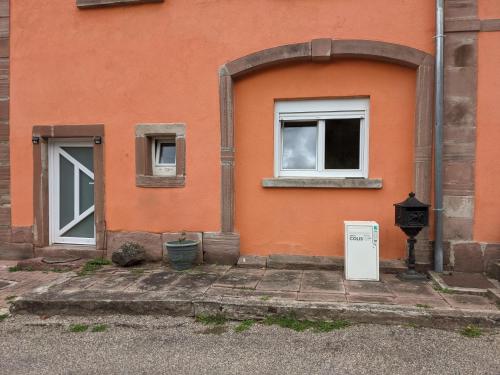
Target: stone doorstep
x=70 y=251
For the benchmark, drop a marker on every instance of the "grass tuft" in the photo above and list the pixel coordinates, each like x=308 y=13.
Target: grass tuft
x=93 y=265
x=471 y=331
x=244 y=325
x=3 y=317
x=99 y=328
x=10 y=298
x=211 y=319
x=291 y=322
x=78 y=327
x=442 y=290
x=265 y=298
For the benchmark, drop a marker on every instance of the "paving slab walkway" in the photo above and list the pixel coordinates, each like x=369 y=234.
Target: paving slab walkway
x=14 y=284
x=247 y=293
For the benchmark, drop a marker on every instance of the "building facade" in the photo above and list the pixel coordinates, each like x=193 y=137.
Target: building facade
x=258 y=127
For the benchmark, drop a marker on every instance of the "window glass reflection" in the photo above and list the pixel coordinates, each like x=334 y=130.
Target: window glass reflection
x=299 y=145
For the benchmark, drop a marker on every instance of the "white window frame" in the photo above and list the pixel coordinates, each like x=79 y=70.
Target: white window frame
x=321 y=110
x=163 y=169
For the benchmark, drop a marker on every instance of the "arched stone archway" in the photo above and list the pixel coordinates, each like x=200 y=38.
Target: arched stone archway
x=226 y=243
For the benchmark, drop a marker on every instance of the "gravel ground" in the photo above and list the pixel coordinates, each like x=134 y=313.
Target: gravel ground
x=165 y=345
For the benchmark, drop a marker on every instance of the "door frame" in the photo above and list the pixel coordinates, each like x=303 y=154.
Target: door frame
x=41 y=205
x=54 y=193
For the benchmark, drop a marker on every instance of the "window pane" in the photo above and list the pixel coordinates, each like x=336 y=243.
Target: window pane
x=342 y=144
x=66 y=192
x=299 y=145
x=167 y=152
x=86 y=192
x=84 y=155
x=84 y=229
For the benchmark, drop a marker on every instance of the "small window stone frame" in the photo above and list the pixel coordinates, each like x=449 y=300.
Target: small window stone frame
x=144 y=143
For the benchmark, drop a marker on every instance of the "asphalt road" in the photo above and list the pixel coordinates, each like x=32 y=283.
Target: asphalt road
x=148 y=345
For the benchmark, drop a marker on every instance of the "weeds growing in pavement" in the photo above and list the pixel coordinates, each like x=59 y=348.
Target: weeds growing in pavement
x=217 y=319
x=93 y=265
x=78 y=327
x=471 y=331
x=244 y=325
x=291 y=322
x=99 y=328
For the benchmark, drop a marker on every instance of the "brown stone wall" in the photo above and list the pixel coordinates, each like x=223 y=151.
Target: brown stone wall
x=460 y=112
x=5 y=218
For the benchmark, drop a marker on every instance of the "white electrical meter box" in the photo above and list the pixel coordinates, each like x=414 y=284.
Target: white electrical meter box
x=361 y=250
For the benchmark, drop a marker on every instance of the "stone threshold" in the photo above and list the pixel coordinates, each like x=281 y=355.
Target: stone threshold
x=69 y=251
x=493 y=293
x=302 y=262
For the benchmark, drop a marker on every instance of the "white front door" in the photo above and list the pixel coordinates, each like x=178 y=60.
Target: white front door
x=71 y=192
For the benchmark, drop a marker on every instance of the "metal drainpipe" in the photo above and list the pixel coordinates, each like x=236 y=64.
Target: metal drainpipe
x=438 y=139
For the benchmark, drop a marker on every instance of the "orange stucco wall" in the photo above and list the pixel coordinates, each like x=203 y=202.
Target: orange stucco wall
x=487 y=218
x=310 y=221
x=159 y=63
x=488 y=9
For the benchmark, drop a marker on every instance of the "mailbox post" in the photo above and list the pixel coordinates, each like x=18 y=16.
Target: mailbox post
x=411 y=216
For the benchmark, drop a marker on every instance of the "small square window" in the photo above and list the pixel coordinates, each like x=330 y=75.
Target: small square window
x=321 y=138
x=160 y=155
x=164 y=152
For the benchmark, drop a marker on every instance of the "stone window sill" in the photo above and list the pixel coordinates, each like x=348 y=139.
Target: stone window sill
x=83 y=4
x=159 y=181
x=328 y=183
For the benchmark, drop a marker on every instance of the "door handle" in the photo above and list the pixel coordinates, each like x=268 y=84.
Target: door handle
x=91 y=183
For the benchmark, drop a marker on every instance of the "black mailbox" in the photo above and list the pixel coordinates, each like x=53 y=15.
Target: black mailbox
x=411 y=216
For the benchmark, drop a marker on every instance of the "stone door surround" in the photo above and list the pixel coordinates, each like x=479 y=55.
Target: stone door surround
x=323 y=51
x=41 y=136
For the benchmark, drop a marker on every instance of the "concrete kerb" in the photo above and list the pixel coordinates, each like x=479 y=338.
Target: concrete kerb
x=240 y=309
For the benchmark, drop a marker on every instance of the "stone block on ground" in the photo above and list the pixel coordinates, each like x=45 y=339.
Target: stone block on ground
x=150 y=241
x=221 y=248
x=468 y=257
x=16 y=251
x=492 y=260
x=129 y=254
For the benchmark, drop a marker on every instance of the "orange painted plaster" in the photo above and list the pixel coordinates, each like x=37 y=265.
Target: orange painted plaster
x=310 y=221
x=487 y=205
x=159 y=63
